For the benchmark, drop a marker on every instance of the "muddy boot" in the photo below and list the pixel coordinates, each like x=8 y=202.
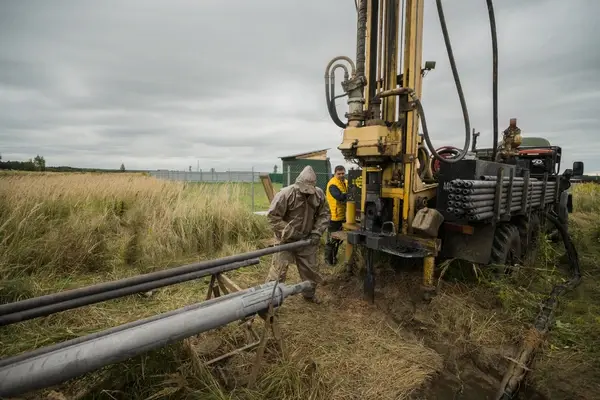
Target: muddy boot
x=329 y=253
x=313 y=299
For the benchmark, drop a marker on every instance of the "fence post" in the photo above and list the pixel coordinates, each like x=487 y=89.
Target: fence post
x=288 y=176
x=252 y=188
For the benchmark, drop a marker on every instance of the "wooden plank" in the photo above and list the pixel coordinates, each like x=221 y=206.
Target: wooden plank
x=268 y=186
x=228 y=283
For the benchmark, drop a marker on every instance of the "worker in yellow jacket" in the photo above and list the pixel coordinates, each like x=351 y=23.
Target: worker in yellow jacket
x=336 y=192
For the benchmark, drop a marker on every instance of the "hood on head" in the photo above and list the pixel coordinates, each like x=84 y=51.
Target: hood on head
x=307 y=180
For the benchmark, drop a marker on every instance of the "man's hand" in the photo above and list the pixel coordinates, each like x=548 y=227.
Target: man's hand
x=314 y=238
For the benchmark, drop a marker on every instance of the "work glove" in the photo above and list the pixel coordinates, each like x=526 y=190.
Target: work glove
x=314 y=238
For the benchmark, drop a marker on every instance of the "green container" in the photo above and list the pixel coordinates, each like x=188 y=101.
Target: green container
x=293 y=167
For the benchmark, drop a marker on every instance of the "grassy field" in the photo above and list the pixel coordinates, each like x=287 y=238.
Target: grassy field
x=62 y=231
x=245 y=192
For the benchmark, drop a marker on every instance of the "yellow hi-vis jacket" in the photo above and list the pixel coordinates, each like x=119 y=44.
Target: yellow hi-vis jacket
x=337 y=201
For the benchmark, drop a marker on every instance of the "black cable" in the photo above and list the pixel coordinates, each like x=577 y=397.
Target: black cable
x=461 y=97
x=331 y=106
x=541 y=325
x=490 y=6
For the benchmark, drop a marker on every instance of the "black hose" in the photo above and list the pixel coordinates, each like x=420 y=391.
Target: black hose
x=361 y=38
x=330 y=83
x=490 y=6
x=136 y=280
x=113 y=294
x=331 y=106
x=461 y=97
x=518 y=370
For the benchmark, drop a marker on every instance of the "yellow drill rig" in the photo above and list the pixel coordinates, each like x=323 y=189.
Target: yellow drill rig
x=415 y=201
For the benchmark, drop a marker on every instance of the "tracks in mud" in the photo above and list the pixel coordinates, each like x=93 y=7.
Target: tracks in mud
x=467 y=373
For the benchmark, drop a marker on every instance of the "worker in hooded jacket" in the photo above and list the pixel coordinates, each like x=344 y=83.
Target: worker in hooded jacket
x=299 y=211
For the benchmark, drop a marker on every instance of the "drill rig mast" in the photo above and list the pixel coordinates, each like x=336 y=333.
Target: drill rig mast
x=381 y=134
x=405 y=209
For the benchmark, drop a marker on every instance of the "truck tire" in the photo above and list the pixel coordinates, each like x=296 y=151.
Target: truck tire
x=529 y=231
x=506 y=247
x=533 y=239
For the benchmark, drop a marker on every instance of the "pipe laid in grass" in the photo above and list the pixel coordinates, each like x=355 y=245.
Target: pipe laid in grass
x=139 y=279
x=53 y=308
x=60 y=363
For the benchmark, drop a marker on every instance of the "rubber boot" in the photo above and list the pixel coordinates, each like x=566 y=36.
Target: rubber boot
x=329 y=253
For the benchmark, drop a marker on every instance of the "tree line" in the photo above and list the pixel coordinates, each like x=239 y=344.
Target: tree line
x=38 y=163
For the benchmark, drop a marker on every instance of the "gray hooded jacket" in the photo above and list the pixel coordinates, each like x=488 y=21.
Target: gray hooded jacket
x=299 y=210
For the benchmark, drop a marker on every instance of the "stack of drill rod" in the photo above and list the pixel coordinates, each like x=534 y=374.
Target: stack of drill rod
x=474 y=200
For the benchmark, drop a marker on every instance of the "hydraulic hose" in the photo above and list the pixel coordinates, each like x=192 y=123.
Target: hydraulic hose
x=419 y=106
x=330 y=83
x=490 y=6
x=518 y=369
x=361 y=37
x=461 y=97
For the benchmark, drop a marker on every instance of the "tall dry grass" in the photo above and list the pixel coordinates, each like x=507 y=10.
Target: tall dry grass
x=71 y=224
x=68 y=230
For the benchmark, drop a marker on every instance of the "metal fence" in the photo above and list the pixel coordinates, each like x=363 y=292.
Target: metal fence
x=209 y=176
x=255 y=194
x=286 y=178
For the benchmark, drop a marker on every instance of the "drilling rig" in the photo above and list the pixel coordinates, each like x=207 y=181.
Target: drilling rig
x=413 y=200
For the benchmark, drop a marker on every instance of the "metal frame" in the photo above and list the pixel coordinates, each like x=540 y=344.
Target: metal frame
x=220 y=282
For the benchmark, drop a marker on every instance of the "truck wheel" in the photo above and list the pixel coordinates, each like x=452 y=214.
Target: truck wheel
x=506 y=247
x=533 y=237
x=529 y=232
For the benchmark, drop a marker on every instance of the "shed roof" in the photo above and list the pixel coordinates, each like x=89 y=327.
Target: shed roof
x=322 y=152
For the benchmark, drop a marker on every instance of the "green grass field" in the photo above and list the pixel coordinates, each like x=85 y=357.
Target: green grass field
x=62 y=231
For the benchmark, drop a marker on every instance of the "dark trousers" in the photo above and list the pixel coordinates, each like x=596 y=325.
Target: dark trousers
x=332 y=246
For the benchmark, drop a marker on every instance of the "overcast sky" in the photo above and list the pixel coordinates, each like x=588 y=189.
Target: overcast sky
x=237 y=83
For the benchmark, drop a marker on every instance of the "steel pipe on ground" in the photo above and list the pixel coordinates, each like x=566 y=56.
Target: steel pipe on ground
x=44 y=369
x=113 y=294
x=136 y=280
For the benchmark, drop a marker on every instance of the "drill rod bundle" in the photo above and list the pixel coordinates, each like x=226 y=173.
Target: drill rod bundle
x=474 y=199
x=58 y=363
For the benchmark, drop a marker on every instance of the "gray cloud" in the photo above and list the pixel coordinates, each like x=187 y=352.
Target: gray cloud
x=236 y=84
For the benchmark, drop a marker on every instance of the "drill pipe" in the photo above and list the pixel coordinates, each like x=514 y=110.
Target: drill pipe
x=492 y=184
x=491 y=196
x=480 y=197
x=506 y=178
x=484 y=203
x=113 y=294
x=60 y=364
x=136 y=280
x=514 y=207
x=492 y=189
x=489 y=213
x=474 y=210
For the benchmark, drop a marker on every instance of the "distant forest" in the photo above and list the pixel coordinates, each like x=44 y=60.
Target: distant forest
x=38 y=163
